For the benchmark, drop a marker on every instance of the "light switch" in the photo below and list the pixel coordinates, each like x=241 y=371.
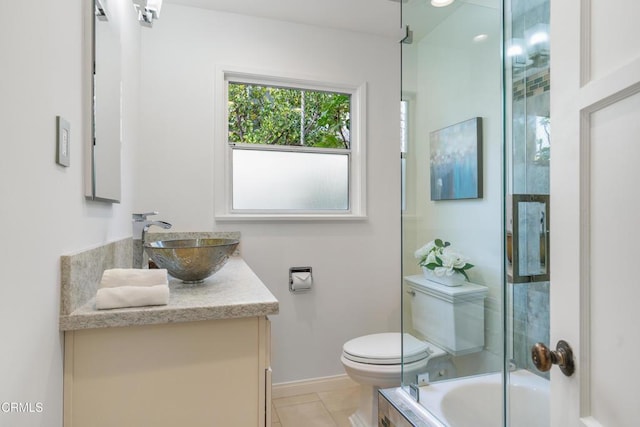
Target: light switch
x=63 y=139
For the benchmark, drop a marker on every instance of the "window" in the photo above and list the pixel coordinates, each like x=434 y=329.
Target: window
x=292 y=148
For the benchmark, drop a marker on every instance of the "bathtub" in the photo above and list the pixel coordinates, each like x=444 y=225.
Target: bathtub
x=477 y=401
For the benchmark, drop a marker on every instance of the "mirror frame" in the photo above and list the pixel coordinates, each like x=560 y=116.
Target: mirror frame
x=89 y=137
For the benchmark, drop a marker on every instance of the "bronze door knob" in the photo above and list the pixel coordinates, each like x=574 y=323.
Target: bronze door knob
x=543 y=358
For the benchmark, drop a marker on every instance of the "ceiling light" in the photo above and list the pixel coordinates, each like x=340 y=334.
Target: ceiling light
x=515 y=50
x=441 y=3
x=537 y=43
x=480 y=38
x=537 y=35
x=516 y=47
x=538 y=38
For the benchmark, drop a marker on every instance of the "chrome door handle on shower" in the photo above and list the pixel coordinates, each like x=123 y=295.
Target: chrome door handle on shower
x=411 y=292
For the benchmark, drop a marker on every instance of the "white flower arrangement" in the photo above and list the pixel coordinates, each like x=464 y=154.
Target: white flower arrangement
x=440 y=257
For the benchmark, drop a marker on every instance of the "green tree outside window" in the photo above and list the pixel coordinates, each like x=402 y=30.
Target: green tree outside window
x=284 y=116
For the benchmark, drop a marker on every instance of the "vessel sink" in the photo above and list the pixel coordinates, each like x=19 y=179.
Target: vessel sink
x=191 y=260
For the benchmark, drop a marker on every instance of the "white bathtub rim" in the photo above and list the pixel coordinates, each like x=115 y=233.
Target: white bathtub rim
x=431 y=395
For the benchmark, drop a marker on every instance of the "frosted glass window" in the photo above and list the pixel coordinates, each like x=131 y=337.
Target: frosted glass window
x=290 y=181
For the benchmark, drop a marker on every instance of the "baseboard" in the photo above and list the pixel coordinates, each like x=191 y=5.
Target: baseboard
x=313 y=385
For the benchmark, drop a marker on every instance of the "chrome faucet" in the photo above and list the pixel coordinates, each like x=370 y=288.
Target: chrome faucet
x=148 y=225
x=140 y=227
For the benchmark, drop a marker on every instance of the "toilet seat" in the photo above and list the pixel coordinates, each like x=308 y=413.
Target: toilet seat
x=386 y=349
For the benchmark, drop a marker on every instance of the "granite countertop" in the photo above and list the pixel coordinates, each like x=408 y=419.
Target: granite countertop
x=234 y=291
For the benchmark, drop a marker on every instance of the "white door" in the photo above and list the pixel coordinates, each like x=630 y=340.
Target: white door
x=595 y=210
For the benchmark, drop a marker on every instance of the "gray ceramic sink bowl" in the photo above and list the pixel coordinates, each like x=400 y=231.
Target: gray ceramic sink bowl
x=191 y=260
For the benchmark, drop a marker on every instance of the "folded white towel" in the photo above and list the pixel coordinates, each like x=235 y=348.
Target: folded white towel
x=133 y=277
x=132 y=287
x=132 y=296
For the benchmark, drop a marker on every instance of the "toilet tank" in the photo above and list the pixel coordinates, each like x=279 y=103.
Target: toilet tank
x=451 y=317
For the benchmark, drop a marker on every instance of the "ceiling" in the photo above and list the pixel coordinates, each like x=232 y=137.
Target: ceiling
x=378 y=17
x=422 y=18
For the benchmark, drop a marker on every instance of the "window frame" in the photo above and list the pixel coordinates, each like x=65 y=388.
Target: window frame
x=223 y=150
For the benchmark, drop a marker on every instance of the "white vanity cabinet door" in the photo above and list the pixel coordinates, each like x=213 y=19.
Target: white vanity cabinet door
x=207 y=373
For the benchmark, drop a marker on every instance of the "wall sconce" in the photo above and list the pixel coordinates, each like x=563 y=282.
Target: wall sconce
x=100 y=11
x=148 y=10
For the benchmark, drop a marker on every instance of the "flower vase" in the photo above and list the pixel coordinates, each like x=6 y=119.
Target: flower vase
x=456 y=279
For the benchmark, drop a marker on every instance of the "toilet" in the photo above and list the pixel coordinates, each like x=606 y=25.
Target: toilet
x=375 y=361
x=451 y=319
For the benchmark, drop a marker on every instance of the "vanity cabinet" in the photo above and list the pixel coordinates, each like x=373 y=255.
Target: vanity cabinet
x=201 y=360
x=199 y=373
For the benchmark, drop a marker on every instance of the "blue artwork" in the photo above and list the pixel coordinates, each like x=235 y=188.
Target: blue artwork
x=456 y=161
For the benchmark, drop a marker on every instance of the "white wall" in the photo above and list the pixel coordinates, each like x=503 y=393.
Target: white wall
x=42 y=208
x=356 y=264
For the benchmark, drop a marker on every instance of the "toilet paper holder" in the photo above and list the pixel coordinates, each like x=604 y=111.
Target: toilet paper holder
x=300 y=279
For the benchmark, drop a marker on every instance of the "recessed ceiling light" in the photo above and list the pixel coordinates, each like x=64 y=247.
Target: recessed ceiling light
x=480 y=38
x=515 y=50
x=441 y=3
x=515 y=47
x=538 y=38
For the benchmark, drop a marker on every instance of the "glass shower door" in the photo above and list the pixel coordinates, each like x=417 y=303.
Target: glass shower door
x=475 y=161
x=453 y=210
x=528 y=136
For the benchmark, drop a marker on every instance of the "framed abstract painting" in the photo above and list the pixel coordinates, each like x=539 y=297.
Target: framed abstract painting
x=455 y=159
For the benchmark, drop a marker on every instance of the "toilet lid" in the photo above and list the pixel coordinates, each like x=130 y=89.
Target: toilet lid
x=385 y=349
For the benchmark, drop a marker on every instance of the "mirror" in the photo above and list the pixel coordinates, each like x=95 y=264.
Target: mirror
x=103 y=156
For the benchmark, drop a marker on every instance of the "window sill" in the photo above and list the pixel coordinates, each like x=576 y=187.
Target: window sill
x=288 y=217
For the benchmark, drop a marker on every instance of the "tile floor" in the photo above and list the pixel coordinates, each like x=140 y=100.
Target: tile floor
x=324 y=409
